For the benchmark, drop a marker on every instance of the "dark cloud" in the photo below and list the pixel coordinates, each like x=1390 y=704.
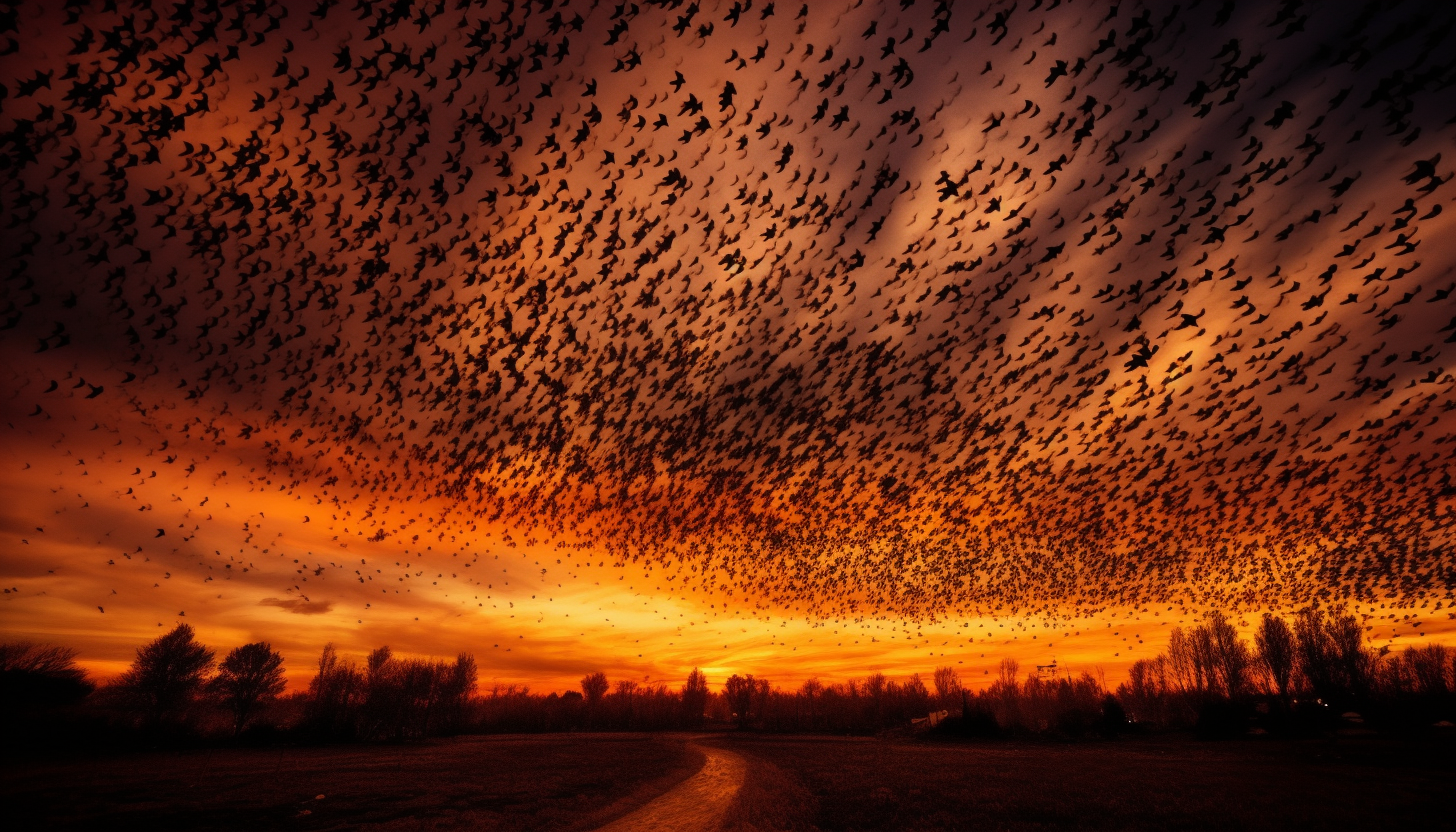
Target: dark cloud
x=298 y=606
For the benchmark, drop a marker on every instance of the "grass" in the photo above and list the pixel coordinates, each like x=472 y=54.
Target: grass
x=1151 y=783
x=509 y=783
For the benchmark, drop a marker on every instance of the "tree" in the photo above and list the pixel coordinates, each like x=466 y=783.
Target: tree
x=1314 y=653
x=334 y=695
x=1006 y=672
x=407 y=698
x=1230 y=658
x=1145 y=692
x=167 y=674
x=915 y=696
x=593 y=686
x=625 y=694
x=812 y=692
x=383 y=694
x=947 y=686
x=1332 y=655
x=694 y=698
x=1429 y=667
x=1357 y=662
x=456 y=690
x=1114 y=718
x=739 y=691
x=1275 y=652
x=249 y=676
x=1190 y=658
x=40 y=675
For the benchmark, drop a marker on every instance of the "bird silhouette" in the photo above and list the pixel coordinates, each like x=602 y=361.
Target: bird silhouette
x=789 y=305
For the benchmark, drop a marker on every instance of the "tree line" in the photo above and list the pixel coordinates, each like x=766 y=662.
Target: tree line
x=1311 y=671
x=1308 y=673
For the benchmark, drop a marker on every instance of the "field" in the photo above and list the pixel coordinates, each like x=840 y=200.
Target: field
x=1361 y=782
x=508 y=783
x=579 y=782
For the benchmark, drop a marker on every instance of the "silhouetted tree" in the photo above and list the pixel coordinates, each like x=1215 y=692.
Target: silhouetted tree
x=334 y=696
x=1231 y=660
x=948 y=687
x=410 y=698
x=1114 y=717
x=694 y=698
x=622 y=700
x=1006 y=671
x=811 y=694
x=739 y=692
x=40 y=675
x=166 y=675
x=1315 y=653
x=1146 y=694
x=383 y=697
x=1003 y=696
x=456 y=689
x=914 y=697
x=249 y=676
x=1275 y=643
x=417 y=685
x=593 y=687
x=1332 y=656
x=1430 y=669
x=1357 y=661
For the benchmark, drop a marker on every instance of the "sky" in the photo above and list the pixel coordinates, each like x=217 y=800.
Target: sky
x=756 y=337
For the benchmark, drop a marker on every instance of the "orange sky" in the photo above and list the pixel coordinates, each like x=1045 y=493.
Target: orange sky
x=238 y=563
x=770 y=346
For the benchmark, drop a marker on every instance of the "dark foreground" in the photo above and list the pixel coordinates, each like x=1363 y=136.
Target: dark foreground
x=532 y=783
x=1364 y=782
x=579 y=782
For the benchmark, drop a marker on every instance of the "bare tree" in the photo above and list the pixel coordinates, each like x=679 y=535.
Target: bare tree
x=1357 y=661
x=1332 y=655
x=811 y=693
x=1314 y=653
x=740 y=691
x=335 y=695
x=248 y=677
x=1190 y=658
x=594 y=686
x=1145 y=693
x=40 y=675
x=1006 y=673
x=625 y=694
x=1275 y=643
x=694 y=698
x=166 y=674
x=947 y=686
x=1231 y=660
x=915 y=694
x=456 y=690
x=383 y=694
x=409 y=698
x=1430 y=669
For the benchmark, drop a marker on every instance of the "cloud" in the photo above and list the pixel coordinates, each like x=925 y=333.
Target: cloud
x=298 y=605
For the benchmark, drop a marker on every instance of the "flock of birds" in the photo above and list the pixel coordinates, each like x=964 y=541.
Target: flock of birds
x=902 y=307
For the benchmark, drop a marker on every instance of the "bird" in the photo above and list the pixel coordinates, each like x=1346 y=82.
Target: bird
x=823 y=344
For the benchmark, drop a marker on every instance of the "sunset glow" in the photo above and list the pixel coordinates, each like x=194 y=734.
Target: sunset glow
x=801 y=343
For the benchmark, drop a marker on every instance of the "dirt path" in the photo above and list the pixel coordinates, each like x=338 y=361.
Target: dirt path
x=695 y=805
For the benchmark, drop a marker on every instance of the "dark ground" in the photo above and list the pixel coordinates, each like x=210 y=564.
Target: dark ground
x=578 y=782
x=1347 y=782
x=509 y=783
